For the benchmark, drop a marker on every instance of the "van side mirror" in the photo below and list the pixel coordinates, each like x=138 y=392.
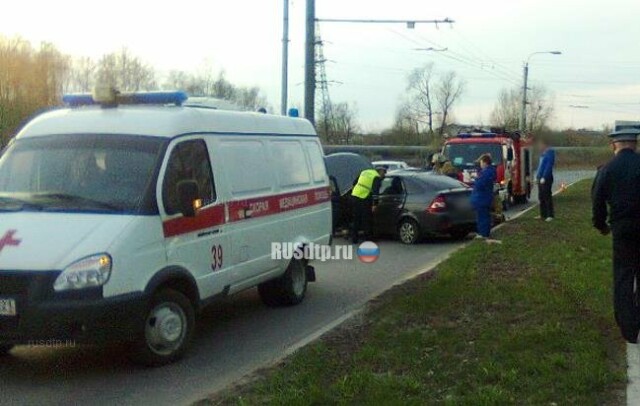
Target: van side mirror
x=187 y=197
x=510 y=154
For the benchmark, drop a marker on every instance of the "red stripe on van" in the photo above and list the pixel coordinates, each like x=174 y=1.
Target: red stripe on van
x=243 y=209
x=206 y=218
x=270 y=205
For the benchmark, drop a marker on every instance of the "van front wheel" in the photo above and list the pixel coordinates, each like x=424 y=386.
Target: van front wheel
x=5 y=348
x=168 y=329
x=288 y=290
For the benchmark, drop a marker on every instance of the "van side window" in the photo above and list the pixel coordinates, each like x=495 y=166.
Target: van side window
x=189 y=160
x=292 y=165
x=246 y=177
x=317 y=162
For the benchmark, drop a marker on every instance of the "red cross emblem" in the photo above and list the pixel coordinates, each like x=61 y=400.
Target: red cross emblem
x=8 y=239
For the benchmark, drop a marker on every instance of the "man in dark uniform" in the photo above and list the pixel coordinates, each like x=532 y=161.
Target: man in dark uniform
x=616 y=194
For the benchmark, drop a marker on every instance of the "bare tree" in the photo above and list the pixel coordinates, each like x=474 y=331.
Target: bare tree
x=344 y=116
x=448 y=91
x=82 y=76
x=340 y=127
x=125 y=72
x=421 y=99
x=506 y=113
x=209 y=84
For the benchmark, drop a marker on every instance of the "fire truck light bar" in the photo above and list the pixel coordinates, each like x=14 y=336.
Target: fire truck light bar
x=157 y=98
x=477 y=135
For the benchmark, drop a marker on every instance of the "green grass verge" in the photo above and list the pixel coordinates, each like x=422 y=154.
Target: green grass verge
x=582 y=158
x=526 y=322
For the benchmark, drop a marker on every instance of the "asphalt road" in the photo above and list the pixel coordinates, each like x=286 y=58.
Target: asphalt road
x=234 y=337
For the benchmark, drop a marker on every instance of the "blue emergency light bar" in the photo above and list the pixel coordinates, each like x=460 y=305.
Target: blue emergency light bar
x=157 y=98
x=74 y=100
x=477 y=135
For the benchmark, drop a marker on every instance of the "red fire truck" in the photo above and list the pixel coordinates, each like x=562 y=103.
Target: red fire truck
x=512 y=155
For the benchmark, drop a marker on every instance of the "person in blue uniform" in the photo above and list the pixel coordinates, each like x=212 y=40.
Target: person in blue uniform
x=544 y=178
x=616 y=209
x=482 y=195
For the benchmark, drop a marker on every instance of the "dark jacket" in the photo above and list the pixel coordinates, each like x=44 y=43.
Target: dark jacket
x=617 y=185
x=482 y=195
x=545 y=167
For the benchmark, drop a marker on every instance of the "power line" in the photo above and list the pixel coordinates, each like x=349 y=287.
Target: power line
x=459 y=58
x=410 y=23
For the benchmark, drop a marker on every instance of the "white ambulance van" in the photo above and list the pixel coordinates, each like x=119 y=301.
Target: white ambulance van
x=121 y=218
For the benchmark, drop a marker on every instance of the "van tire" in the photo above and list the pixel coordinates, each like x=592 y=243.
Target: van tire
x=5 y=348
x=176 y=309
x=288 y=290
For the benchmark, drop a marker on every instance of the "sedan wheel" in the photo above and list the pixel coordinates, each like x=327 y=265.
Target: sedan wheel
x=408 y=231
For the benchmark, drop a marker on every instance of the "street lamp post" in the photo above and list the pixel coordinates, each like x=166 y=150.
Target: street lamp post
x=285 y=59
x=523 y=110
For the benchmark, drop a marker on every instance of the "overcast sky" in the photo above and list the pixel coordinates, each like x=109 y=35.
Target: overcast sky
x=599 y=68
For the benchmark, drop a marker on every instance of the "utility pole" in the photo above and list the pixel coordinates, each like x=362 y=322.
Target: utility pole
x=310 y=64
x=326 y=126
x=310 y=45
x=285 y=60
x=523 y=109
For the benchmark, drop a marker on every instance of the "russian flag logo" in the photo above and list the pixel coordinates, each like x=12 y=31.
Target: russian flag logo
x=368 y=252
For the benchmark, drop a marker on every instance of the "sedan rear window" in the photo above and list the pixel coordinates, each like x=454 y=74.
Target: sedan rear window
x=441 y=182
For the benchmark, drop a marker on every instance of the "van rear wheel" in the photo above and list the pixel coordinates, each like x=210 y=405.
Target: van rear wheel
x=289 y=289
x=168 y=329
x=5 y=348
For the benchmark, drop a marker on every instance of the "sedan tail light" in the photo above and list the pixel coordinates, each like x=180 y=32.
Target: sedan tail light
x=438 y=205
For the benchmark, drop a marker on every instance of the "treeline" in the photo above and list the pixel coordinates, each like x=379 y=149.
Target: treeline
x=422 y=118
x=33 y=78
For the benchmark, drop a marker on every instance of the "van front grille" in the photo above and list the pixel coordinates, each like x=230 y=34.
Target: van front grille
x=14 y=284
x=28 y=285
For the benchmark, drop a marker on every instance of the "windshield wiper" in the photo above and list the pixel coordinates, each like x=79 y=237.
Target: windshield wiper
x=78 y=200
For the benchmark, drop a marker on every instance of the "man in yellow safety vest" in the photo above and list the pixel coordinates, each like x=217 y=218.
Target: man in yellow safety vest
x=366 y=187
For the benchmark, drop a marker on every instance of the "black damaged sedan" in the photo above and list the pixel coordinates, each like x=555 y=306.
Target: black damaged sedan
x=413 y=205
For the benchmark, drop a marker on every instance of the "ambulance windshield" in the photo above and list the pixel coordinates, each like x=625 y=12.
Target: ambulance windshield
x=78 y=172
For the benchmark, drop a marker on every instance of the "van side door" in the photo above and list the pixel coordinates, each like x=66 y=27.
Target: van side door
x=252 y=210
x=197 y=244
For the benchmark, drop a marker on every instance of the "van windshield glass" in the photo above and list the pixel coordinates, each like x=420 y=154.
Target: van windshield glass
x=465 y=155
x=109 y=173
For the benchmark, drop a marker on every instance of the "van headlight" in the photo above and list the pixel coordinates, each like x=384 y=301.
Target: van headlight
x=85 y=273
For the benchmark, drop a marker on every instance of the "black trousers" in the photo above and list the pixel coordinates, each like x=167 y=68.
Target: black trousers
x=626 y=269
x=362 y=218
x=546 y=198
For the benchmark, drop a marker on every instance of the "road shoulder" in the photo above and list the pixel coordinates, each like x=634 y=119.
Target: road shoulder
x=527 y=321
